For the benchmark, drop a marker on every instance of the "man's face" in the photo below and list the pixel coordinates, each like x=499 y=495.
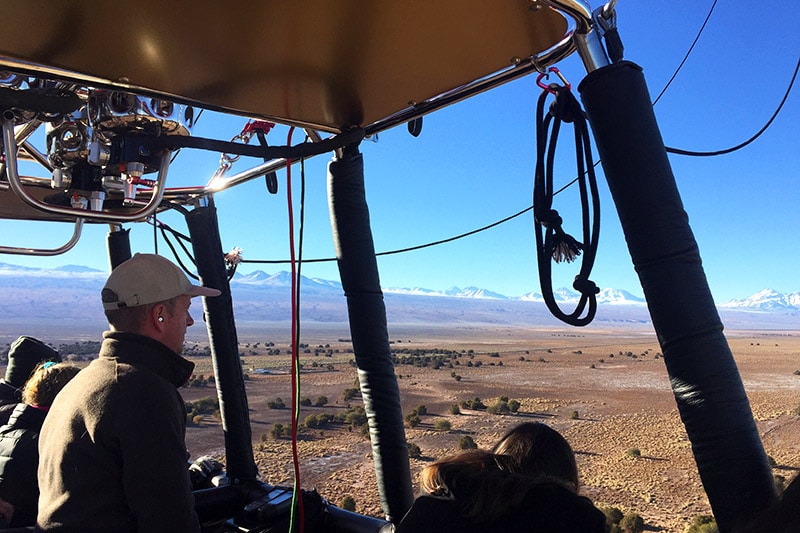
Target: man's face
x=176 y=323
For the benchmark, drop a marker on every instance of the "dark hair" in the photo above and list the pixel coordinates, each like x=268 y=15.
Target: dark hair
x=536 y=449
x=481 y=482
x=46 y=381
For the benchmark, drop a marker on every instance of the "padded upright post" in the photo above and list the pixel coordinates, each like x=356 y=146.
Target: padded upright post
x=358 y=268
x=204 y=231
x=705 y=380
x=118 y=244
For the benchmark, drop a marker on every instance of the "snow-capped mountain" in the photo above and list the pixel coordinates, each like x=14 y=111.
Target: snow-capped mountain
x=767 y=300
x=260 y=279
x=605 y=296
x=532 y=297
x=619 y=297
x=71 y=293
x=474 y=292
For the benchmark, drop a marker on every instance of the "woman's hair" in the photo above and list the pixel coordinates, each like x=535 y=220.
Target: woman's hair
x=45 y=382
x=489 y=484
x=485 y=486
x=536 y=449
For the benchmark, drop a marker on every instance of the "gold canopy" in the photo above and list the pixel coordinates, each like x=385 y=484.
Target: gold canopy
x=319 y=63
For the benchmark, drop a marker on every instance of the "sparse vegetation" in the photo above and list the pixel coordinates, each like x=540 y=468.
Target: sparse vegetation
x=280 y=431
x=500 y=407
x=350 y=393
x=632 y=523
x=467 y=443
x=414 y=452
x=203 y=406
x=475 y=404
x=321 y=401
x=703 y=524
x=661 y=513
x=348 y=503
x=198 y=381
x=633 y=452
x=413 y=420
x=442 y=425
x=613 y=516
x=277 y=403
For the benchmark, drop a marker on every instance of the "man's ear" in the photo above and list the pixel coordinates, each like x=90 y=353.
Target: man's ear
x=157 y=316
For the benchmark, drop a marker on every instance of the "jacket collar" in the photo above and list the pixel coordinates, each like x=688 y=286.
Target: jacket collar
x=141 y=351
x=26 y=416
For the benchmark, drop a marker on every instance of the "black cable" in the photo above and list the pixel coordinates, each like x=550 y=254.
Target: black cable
x=164 y=234
x=758 y=134
x=166 y=230
x=686 y=56
x=401 y=250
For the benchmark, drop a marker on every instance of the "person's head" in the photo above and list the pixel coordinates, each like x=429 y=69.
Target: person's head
x=149 y=295
x=536 y=449
x=444 y=475
x=23 y=356
x=483 y=483
x=46 y=381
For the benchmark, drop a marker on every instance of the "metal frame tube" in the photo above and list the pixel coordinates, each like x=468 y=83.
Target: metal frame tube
x=46 y=252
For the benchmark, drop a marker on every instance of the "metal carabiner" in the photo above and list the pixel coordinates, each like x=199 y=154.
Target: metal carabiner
x=558 y=73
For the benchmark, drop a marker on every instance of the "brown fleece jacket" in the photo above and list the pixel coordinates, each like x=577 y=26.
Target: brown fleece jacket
x=112 y=449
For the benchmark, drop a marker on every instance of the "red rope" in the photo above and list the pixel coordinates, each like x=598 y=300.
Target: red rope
x=298 y=495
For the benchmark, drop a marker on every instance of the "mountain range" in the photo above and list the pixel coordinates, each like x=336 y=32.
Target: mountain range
x=70 y=293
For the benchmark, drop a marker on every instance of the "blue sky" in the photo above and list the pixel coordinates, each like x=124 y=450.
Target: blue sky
x=473 y=164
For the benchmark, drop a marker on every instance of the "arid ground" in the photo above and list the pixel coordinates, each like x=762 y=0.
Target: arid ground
x=606 y=390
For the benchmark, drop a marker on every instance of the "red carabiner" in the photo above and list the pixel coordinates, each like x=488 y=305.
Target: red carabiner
x=258 y=125
x=555 y=71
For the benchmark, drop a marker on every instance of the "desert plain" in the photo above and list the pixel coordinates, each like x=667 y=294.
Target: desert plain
x=606 y=390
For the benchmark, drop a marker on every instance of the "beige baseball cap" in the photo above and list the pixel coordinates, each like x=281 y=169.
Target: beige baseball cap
x=148 y=278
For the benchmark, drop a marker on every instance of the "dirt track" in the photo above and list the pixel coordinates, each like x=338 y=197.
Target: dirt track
x=622 y=402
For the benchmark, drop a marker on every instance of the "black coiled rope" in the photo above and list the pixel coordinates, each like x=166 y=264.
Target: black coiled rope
x=552 y=243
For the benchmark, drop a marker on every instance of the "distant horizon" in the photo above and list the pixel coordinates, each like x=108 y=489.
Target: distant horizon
x=74 y=267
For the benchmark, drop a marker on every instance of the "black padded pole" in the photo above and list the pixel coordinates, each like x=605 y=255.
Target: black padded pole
x=118 y=244
x=358 y=268
x=705 y=380
x=204 y=231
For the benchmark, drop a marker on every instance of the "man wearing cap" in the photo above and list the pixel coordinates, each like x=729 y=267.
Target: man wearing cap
x=112 y=448
x=24 y=355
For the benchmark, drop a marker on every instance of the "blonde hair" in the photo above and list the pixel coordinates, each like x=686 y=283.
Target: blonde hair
x=46 y=381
